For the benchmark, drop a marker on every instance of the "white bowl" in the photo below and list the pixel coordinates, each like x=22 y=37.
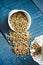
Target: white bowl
x=25 y=12
x=38 y=58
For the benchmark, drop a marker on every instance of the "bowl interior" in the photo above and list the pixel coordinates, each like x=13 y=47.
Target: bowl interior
x=26 y=14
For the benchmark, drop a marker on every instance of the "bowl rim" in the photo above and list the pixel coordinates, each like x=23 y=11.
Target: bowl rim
x=25 y=12
x=35 y=58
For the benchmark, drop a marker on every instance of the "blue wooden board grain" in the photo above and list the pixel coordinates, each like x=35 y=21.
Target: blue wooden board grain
x=35 y=29
x=7 y=57
x=39 y=4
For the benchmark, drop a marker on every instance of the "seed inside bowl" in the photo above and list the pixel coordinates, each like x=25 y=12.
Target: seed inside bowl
x=35 y=46
x=19 y=21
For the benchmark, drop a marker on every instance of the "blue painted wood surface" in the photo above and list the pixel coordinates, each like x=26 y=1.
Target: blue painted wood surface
x=6 y=55
x=39 y=4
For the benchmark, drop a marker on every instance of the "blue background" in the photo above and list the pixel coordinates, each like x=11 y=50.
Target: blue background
x=7 y=57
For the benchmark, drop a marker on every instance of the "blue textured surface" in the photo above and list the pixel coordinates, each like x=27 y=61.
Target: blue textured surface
x=6 y=55
x=39 y=4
